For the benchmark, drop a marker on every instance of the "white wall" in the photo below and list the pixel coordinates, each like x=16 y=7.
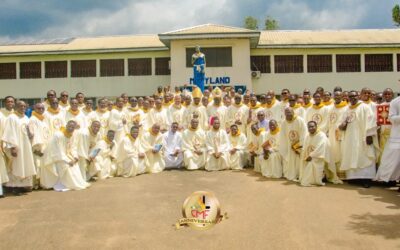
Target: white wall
x=239 y=73
x=297 y=82
x=91 y=86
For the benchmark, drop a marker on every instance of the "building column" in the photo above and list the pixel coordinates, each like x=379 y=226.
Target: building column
x=362 y=58
x=272 y=63
x=126 y=68
x=153 y=66
x=42 y=65
x=97 y=67
x=17 y=70
x=69 y=70
x=334 y=70
x=305 y=69
x=395 y=65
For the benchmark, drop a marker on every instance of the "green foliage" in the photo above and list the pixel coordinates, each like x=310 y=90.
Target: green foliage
x=396 y=15
x=251 y=23
x=271 y=24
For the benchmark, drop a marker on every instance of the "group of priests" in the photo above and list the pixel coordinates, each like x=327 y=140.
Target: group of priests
x=309 y=138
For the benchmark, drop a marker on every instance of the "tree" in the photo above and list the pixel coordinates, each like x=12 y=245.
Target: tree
x=271 y=24
x=396 y=15
x=251 y=23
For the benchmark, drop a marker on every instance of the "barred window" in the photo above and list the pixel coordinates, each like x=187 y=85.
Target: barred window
x=8 y=71
x=30 y=70
x=348 y=63
x=378 y=62
x=215 y=57
x=163 y=66
x=112 y=67
x=83 y=68
x=289 y=64
x=319 y=63
x=260 y=63
x=139 y=67
x=56 y=69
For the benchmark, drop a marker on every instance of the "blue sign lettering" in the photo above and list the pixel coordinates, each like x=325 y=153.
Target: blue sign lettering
x=215 y=80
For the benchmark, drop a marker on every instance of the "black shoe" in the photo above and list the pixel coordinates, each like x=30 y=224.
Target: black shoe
x=366 y=183
x=16 y=191
x=2 y=196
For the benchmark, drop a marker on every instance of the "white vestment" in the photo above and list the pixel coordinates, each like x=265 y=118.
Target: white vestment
x=57 y=173
x=102 y=117
x=21 y=169
x=85 y=142
x=274 y=111
x=255 y=143
x=79 y=118
x=292 y=136
x=217 y=142
x=217 y=111
x=335 y=136
x=238 y=114
x=3 y=169
x=272 y=167
x=175 y=114
x=127 y=157
x=320 y=116
x=201 y=112
x=194 y=140
x=389 y=170
x=54 y=121
x=41 y=137
x=317 y=147
x=158 y=116
x=103 y=165
x=156 y=161
x=358 y=158
x=115 y=123
x=171 y=143
x=237 y=160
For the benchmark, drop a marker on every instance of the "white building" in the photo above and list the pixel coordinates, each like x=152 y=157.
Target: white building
x=258 y=60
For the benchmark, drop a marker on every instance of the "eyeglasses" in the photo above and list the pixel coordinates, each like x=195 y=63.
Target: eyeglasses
x=64 y=95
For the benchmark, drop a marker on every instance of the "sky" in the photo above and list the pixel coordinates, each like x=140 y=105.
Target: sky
x=47 y=19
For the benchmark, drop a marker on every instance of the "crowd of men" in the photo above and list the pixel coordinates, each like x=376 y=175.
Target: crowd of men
x=308 y=138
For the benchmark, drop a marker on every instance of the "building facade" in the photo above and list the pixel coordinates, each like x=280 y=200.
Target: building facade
x=255 y=60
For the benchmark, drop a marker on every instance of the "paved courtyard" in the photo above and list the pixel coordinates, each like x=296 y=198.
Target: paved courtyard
x=139 y=213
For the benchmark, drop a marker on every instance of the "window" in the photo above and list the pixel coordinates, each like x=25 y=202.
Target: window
x=8 y=71
x=289 y=64
x=56 y=69
x=215 y=57
x=162 y=66
x=30 y=70
x=348 y=63
x=139 y=67
x=378 y=62
x=319 y=63
x=83 y=68
x=260 y=63
x=112 y=67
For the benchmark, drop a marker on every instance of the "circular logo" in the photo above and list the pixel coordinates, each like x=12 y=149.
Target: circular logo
x=57 y=123
x=351 y=117
x=317 y=118
x=201 y=210
x=293 y=135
